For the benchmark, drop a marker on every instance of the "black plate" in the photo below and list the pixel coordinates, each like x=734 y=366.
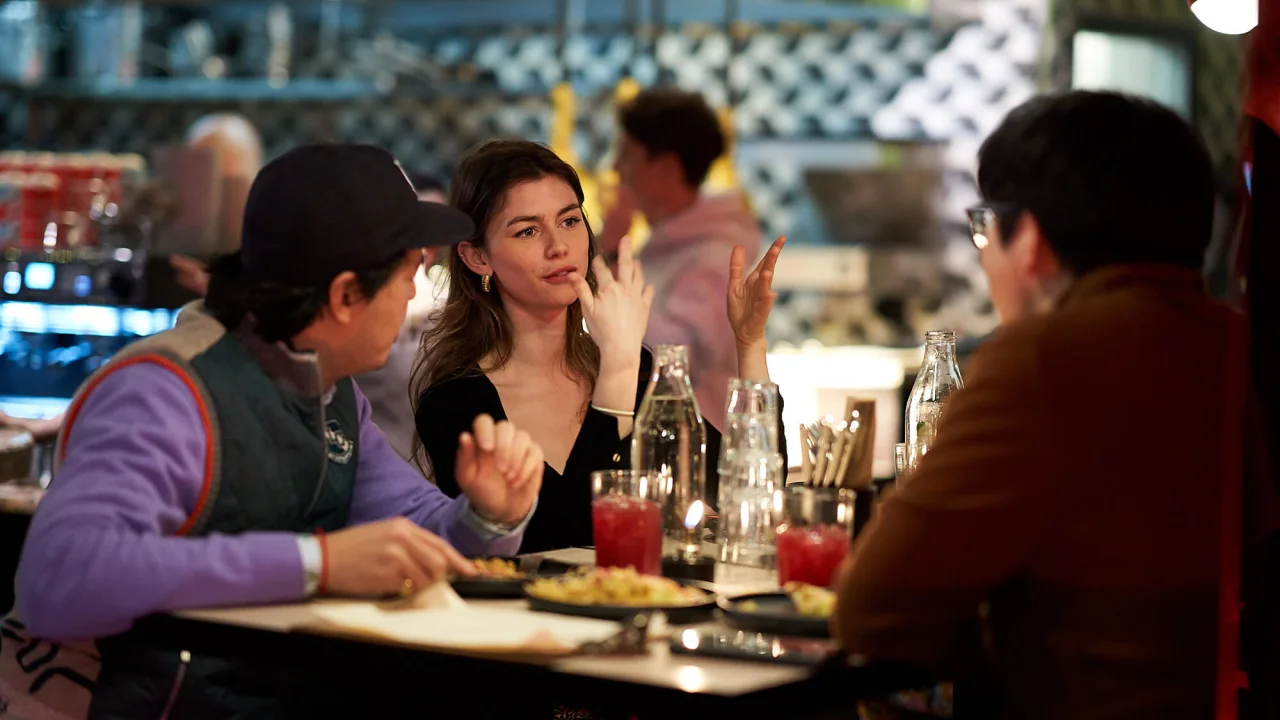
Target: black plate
x=676 y=615
x=489 y=588
x=773 y=613
x=482 y=588
x=486 y=588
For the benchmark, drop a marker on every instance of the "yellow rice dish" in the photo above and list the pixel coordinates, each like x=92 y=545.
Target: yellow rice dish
x=810 y=600
x=615 y=586
x=497 y=568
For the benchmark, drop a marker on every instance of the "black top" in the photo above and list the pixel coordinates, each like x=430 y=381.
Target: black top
x=563 y=519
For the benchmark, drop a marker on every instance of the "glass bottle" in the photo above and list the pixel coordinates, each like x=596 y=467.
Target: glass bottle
x=669 y=438
x=939 y=377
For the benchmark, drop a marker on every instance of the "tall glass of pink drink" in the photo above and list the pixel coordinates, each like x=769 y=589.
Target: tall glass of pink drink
x=626 y=516
x=815 y=533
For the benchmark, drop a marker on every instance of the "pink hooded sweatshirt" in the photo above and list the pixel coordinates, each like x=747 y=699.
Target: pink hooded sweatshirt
x=687 y=261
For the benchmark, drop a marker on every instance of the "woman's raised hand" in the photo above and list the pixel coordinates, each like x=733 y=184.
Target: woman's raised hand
x=751 y=298
x=617 y=314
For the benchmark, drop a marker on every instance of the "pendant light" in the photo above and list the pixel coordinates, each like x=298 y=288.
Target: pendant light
x=1229 y=17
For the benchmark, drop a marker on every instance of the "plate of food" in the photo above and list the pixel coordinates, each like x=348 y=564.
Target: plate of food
x=799 y=609
x=497 y=577
x=618 y=593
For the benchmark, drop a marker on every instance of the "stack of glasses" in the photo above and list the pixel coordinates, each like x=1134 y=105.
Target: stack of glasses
x=751 y=470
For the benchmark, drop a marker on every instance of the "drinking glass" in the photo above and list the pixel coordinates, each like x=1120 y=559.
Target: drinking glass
x=747 y=518
x=750 y=417
x=626 y=517
x=814 y=536
x=749 y=469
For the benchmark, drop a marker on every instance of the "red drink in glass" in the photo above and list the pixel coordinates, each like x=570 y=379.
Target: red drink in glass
x=811 y=554
x=628 y=533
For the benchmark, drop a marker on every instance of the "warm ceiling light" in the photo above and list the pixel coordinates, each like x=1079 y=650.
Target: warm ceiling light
x=1230 y=17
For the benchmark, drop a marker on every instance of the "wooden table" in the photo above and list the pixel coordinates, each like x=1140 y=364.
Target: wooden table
x=658 y=684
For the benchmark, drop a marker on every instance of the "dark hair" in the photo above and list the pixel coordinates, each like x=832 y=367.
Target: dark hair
x=667 y=120
x=423 y=182
x=1110 y=179
x=473 y=326
x=280 y=311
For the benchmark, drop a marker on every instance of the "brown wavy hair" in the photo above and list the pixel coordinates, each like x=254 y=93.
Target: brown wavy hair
x=473 y=325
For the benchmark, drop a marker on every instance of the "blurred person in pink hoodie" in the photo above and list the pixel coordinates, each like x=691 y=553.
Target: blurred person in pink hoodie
x=667 y=142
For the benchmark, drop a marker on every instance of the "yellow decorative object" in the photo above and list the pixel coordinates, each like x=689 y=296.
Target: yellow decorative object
x=626 y=90
x=564 y=113
x=722 y=175
x=563 y=116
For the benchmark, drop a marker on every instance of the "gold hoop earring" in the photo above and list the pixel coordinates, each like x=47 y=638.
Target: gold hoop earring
x=484 y=282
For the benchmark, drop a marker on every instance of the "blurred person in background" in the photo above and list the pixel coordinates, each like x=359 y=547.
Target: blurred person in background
x=239 y=149
x=238 y=146
x=1076 y=485
x=430 y=187
x=388 y=387
x=668 y=141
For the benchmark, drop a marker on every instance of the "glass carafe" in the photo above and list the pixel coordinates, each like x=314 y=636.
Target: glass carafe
x=670 y=439
x=939 y=377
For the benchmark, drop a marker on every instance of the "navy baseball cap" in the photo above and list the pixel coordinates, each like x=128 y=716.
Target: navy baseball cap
x=319 y=210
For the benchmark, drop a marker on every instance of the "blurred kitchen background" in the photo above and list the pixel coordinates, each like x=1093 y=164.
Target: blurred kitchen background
x=855 y=126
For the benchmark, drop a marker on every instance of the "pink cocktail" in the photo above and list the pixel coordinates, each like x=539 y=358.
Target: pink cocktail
x=626 y=517
x=628 y=532
x=813 y=539
x=811 y=554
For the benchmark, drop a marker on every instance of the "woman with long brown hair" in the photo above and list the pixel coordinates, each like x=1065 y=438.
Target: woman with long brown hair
x=538 y=330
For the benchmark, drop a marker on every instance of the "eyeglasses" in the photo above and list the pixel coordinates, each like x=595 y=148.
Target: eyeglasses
x=983 y=219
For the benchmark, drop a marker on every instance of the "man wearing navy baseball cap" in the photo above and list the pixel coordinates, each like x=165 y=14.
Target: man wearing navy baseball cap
x=232 y=461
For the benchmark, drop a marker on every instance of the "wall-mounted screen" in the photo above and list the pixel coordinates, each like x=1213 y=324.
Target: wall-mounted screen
x=1150 y=66
x=46 y=351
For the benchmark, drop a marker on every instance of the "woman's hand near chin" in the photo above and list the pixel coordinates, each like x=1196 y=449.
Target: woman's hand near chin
x=617 y=315
x=749 y=302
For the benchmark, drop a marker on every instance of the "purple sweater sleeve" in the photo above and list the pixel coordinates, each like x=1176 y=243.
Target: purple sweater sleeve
x=101 y=550
x=388 y=486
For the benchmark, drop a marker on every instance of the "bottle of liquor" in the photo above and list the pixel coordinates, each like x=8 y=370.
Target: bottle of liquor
x=670 y=439
x=939 y=377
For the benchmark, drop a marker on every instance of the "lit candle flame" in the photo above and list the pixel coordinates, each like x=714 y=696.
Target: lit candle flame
x=694 y=516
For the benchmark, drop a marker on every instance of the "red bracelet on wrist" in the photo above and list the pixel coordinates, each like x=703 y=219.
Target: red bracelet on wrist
x=323 y=585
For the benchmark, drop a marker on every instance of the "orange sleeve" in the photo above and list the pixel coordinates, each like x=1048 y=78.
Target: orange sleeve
x=969 y=517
